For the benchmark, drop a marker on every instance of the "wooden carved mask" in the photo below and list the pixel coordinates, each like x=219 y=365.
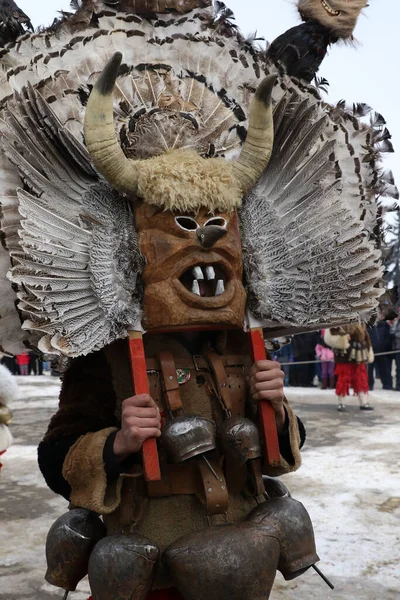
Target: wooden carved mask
x=185 y=212
x=193 y=272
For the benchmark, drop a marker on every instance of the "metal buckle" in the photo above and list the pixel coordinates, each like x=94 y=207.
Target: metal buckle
x=196 y=366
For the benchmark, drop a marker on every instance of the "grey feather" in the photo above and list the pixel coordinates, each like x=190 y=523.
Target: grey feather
x=76 y=265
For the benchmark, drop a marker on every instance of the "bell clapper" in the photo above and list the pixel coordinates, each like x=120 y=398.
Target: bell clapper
x=323 y=577
x=210 y=467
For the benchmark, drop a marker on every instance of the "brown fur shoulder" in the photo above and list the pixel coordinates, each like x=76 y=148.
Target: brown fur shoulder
x=87 y=398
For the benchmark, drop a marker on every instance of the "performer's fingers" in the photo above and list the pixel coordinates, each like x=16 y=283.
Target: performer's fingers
x=270 y=395
x=143 y=423
x=149 y=432
x=261 y=386
x=263 y=365
x=267 y=375
x=139 y=400
x=142 y=412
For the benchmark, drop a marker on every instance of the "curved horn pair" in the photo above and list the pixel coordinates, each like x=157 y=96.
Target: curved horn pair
x=122 y=173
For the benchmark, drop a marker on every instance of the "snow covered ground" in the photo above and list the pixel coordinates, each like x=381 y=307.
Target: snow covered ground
x=349 y=482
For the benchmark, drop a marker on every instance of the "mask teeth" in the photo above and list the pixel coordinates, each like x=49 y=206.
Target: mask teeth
x=220 y=288
x=197 y=273
x=329 y=9
x=195 y=287
x=210 y=273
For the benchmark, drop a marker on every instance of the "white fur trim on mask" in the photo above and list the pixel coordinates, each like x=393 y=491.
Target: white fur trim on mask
x=337 y=342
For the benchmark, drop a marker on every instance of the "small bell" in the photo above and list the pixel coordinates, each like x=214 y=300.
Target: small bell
x=188 y=436
x=241 y=439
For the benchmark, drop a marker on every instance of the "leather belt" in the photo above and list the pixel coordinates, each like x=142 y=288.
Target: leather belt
x=199 y=363
x=193 y=478
x=175 y=480
x=218 y=370
x=214 y=493
x=171 y=385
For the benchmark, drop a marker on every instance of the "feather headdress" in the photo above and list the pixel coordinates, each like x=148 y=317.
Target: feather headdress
x=186 y=83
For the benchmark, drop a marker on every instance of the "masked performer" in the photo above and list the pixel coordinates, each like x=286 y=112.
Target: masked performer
x=148 y=185
x=353 y=351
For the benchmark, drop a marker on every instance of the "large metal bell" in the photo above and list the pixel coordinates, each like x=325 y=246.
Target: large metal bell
x=293 y=528
x=122 y=567
x=188 y=436
x=241 y=439
x=225 y=562
x=275 y=488
x=68 y=546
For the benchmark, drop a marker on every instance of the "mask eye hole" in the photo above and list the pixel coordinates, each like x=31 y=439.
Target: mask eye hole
x=218 y=221
x=186 y=223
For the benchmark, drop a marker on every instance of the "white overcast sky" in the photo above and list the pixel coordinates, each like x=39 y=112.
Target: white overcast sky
x=368 y=73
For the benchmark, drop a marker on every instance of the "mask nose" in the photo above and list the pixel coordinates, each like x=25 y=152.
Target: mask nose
x=211 y=232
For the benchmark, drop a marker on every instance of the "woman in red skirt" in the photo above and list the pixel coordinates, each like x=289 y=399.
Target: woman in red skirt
x=353 y=350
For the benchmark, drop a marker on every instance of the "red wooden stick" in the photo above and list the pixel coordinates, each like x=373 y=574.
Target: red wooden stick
x=151 y=465
x=267 y=414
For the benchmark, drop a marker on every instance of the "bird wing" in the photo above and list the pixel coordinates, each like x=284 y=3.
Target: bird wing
x=309 y=257
x=75 y=291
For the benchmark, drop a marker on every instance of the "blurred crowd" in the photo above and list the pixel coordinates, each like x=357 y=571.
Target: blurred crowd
x=310 y=348
x=26 y=363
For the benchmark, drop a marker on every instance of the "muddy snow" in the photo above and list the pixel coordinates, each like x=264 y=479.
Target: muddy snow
x=349 y=483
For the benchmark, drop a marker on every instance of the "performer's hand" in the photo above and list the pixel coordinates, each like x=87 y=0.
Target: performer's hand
x=266 y=383
x=140 y=420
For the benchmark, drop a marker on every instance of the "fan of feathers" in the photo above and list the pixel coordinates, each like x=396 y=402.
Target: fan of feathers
x=309 y=228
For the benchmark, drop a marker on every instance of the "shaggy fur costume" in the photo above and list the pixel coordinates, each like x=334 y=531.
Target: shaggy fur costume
x=342 y=24
x=165 y=180
x=336 y=341
x=8 y=393
x=72 y=455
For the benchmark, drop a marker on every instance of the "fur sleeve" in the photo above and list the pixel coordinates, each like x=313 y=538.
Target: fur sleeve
x=295 y=444
x=87 y=399
x=86 y=410
x=337 y=342
x=84 y=471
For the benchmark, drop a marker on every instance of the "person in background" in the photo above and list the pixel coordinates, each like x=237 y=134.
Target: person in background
x=395 y=335
x=285 y=355
x=302 y=375
x=9 y=362
x=35 y=364
x=353 y=350
x=381 y=342
x=23 y=362
x=326 y=356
